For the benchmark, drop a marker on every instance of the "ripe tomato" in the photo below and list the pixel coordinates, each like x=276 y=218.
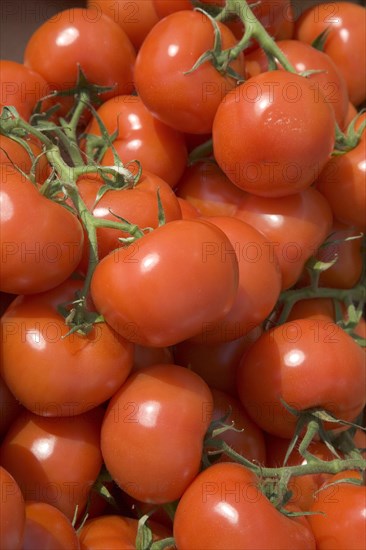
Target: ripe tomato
x=35 y=233
x=225 y=508
x=166 y=7
x=187 y=209
x=209 y=190
x=136 y=18
x=187 y=102
x=259 y=283
x=53 y=374
x=86 y=38
x=138 y=205
x=54 y=460
x=273 y=103
x=328 y=84
x=248 y=439
x=342 y=183
x=340 y=522
x=307 y=363
x=12 y=513
x=145 y=410
x=347 y=270
x=12 y=153
x=21 y=87
x=215 y=363
x=115 y=532
x=295 y=227
x=159 y=148
x=48 y=528
x=9 y=407
x=346 y=21
x=303 y=487
x=176 y=279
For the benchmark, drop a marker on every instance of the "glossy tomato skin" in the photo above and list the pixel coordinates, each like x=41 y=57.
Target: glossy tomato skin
x=57 y=375
x=21 y=87
x=295 y=362
x=145 y=409
x=187 y=102
x=37 y=233
x=159 y=148
x=342 y=524
x=224 y=508
x=295 y=227
x=342 y=183
x=12 y=512
x=176 y=278
x=48 y=528
x=259 y=282
x=138 y=206
x=39 y=452
x=273 y=103
x=209 y=190
x=346 y=21
x=70 y=40
x=114 y=531
x=135 y=18
x=328 y=84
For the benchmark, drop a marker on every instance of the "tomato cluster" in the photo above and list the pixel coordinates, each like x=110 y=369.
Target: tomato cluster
x=182 y=197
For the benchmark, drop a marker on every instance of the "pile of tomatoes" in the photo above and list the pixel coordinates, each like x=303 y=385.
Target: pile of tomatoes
x=182 y=278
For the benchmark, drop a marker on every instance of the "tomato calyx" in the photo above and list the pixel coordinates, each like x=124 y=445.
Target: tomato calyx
x=144 y=538
x=346 y=141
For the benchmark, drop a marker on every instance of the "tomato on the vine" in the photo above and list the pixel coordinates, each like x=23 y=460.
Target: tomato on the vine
x=48 y=528
x=185 y=101
x=225 y=508
x=52 y=372
x=307 y=363
x=12 y=512
x=145 y=409
x=273 y=103
x=41 y=241
x=176 y=279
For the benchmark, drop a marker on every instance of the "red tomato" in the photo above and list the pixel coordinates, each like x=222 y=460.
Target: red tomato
x=225 y=508
x=115 y=532
x=138 y=205
x=295 y=227
x=273 y=103
x=12 y=513
x=54 y=460
x=35 y=232
x=351 y=113
x=159 y=148
x=146 y=357
x=328 y=84
x=48 y=528
x=21 y=87
x=340 y=522
x=347 y=270
x=346 y=21
x=53 y=374
x=166 y=7
x=187 y=102
x=259 y=283
x=145 y=409
x=209 y=190
x=308 y=363
x=177 y=278
x=247 y=439
x=12 y=153
x=9 y=408
x=303 y=487
x=86 y=38
x=342 y=183
x=187 y=209
x=215 y=363
x=136 y=18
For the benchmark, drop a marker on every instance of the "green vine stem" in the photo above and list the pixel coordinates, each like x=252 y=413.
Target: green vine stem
x=253 y=29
